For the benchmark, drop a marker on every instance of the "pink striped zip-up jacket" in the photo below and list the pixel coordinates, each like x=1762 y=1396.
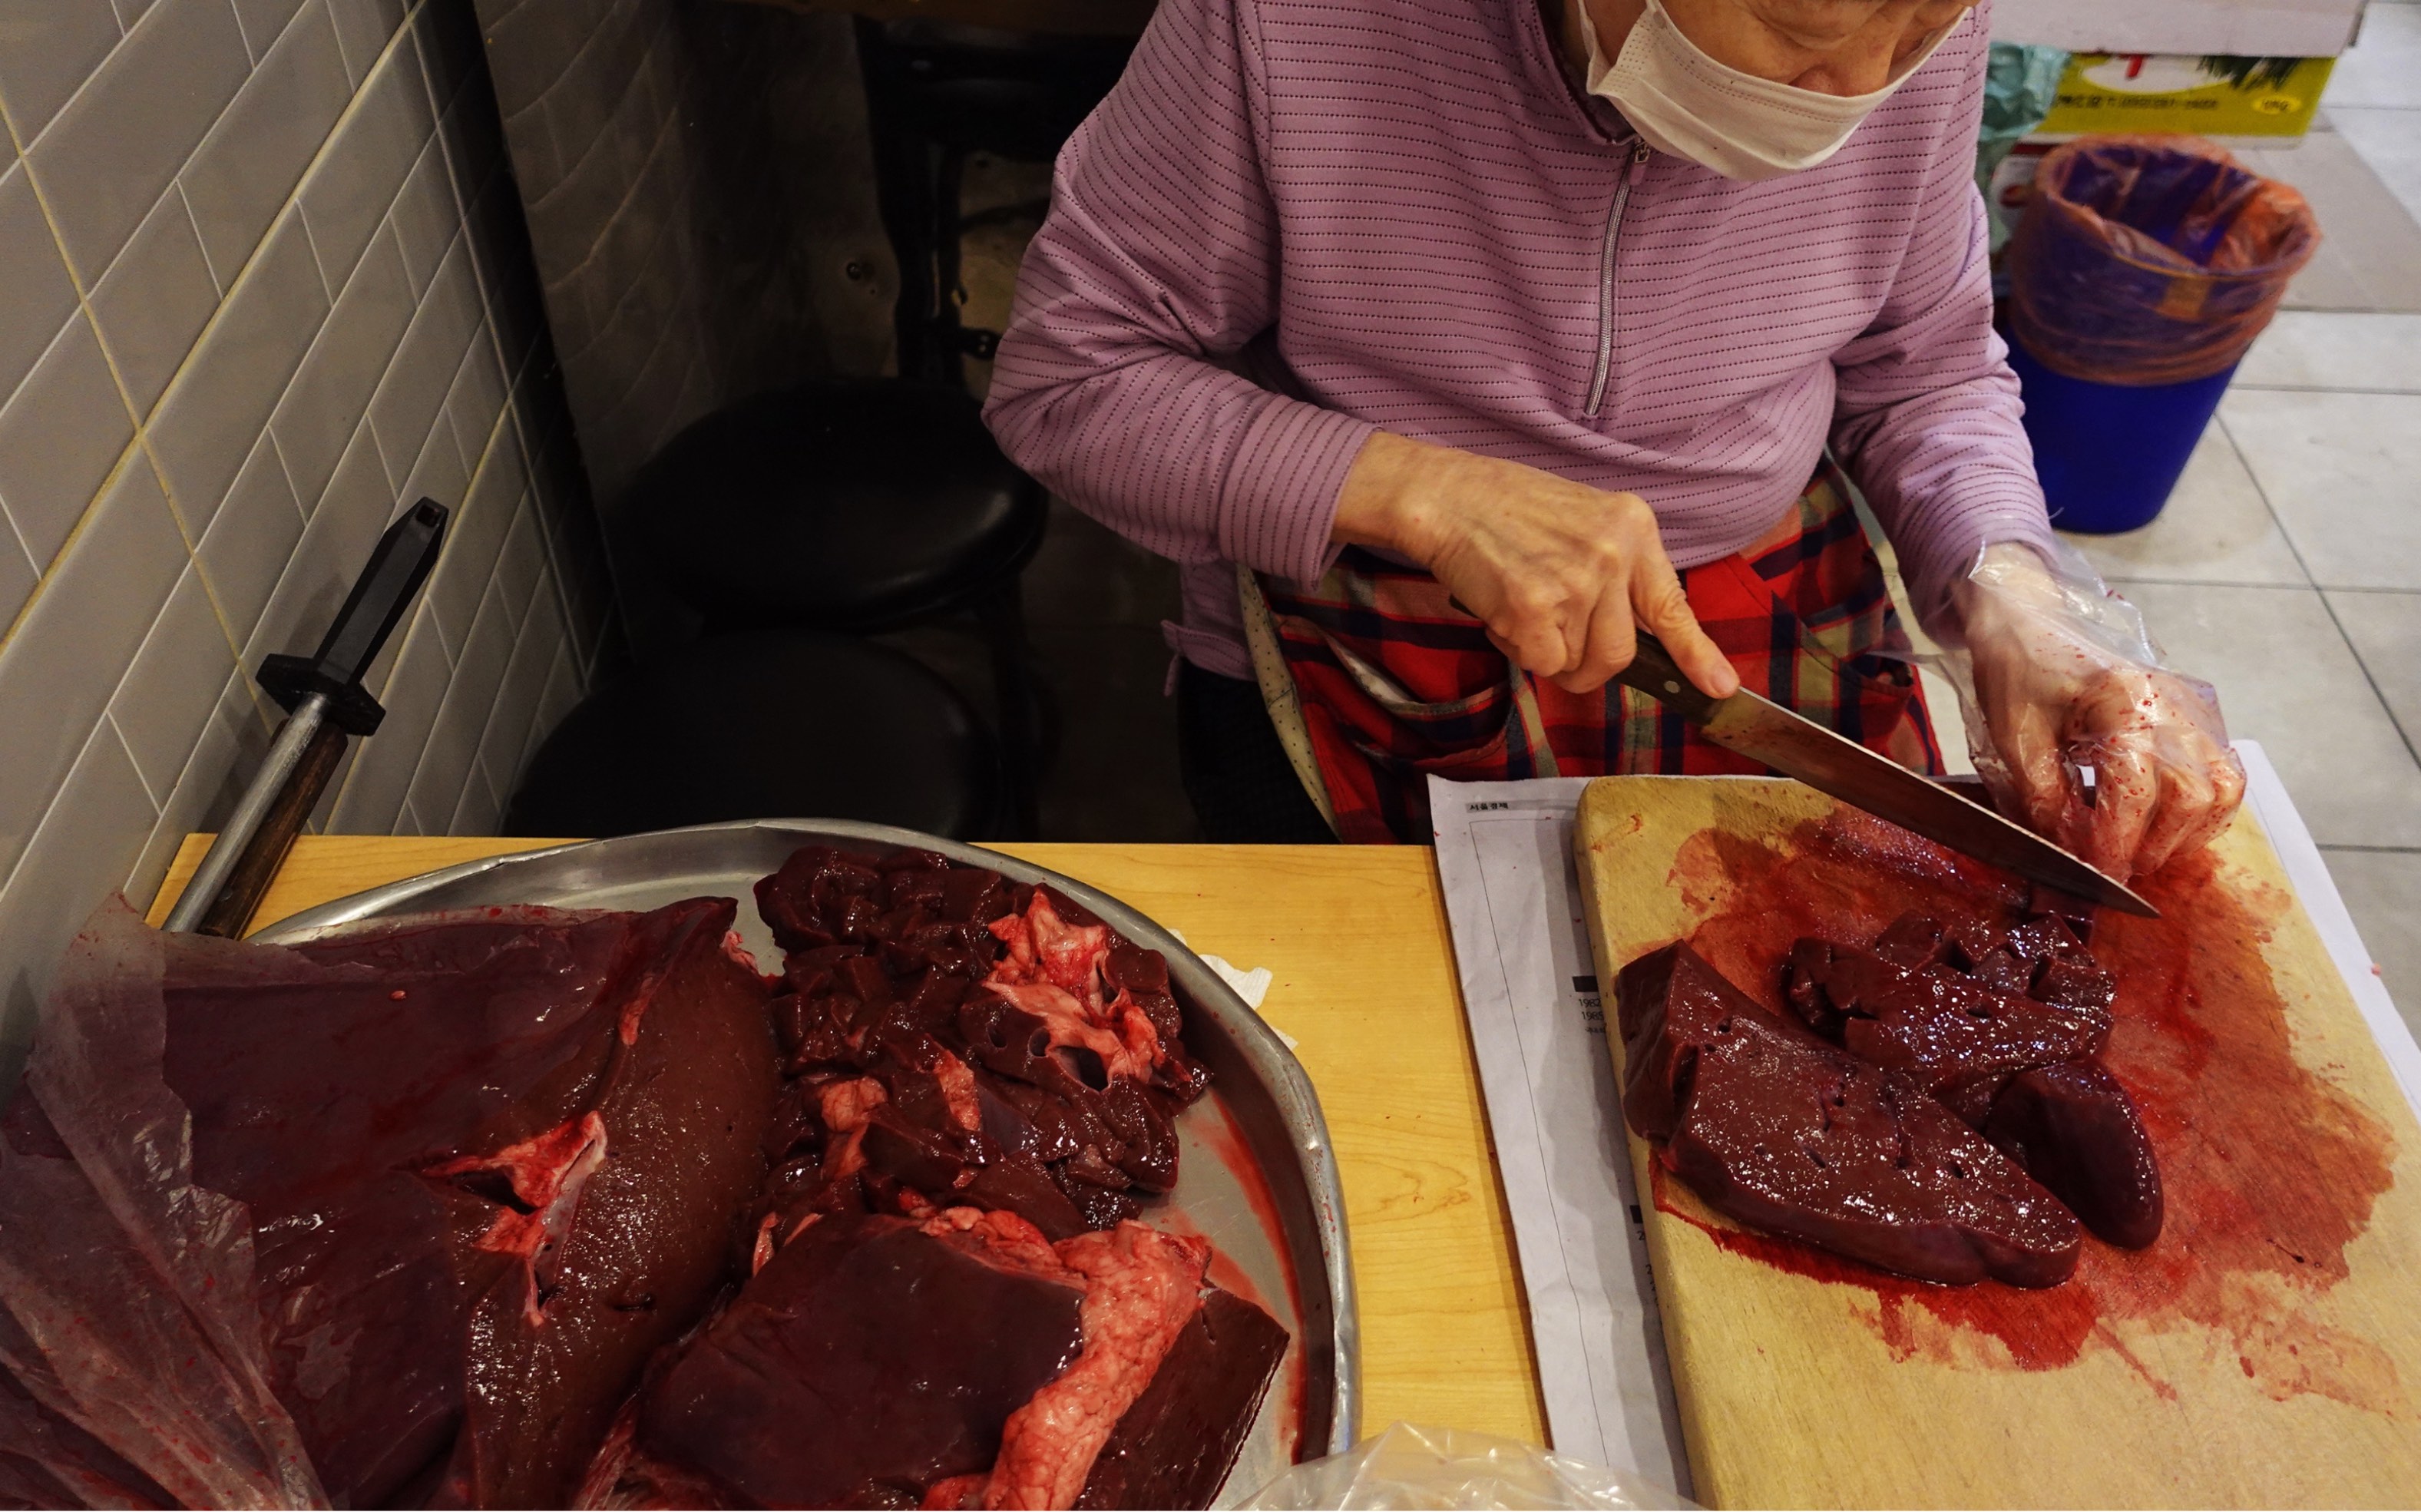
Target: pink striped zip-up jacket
x=1400 y=216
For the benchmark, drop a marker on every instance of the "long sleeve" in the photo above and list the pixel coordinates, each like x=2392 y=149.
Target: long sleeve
x=1927 y=413
x=1161 y=253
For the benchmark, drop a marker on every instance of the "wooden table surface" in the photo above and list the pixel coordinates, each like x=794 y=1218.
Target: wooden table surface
x=1356 y=939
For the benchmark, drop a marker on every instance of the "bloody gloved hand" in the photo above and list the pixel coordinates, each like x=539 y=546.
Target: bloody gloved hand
x=2057 y=677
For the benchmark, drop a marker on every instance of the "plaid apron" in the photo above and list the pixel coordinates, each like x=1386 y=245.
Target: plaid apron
x=1375 y=681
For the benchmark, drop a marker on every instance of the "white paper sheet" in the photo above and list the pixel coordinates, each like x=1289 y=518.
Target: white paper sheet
x=1505 y=857
x=1537 y=1027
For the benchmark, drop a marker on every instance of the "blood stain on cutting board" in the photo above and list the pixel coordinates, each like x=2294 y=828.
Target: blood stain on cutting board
x=2270 y=1170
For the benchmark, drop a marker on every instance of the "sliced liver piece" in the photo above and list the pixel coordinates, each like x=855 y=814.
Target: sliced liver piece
x=1943 y=1028
x=1181 y=1438
x=868 y=1359
x=2075 y=1131
x=1943 y=1003
x=1779 y=1129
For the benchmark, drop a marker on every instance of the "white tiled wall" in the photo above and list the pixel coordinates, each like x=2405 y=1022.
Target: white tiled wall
x=701 y=202
x=263 y=277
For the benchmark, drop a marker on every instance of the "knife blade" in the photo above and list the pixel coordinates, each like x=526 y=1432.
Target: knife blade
x=1831 y=763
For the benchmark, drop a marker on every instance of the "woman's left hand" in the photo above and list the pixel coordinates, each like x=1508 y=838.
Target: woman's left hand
x=2057 y=698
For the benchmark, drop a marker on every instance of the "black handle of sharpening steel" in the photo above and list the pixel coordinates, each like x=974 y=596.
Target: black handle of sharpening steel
x=398 y=567
x=325 y=703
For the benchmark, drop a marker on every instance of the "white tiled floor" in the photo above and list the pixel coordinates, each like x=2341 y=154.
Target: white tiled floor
x=2287 y=568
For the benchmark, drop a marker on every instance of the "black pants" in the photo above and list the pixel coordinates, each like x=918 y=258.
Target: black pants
x=1244 y=788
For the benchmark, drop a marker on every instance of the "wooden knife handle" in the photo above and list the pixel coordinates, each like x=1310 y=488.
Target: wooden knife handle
x=1653 y=672
x=248 y=883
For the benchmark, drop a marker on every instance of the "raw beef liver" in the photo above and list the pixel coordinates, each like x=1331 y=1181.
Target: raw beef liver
x=959 y=1361
x=1780 y=1129
x=493 y=1162
x=1947 y=1030
x=2075 y=1131
x=2003 y=1026
x=866 y=1361
x=1181 y=1438
x=550 y=1206
x=957 y=1038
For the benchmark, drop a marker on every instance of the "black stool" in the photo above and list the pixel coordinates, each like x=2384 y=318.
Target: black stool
x=781 y=724
x=854 y=507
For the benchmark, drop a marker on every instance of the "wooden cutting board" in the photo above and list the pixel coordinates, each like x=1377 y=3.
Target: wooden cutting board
x=2266 y=1352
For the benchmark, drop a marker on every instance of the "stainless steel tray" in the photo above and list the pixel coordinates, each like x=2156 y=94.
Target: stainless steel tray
x=1255 y=1173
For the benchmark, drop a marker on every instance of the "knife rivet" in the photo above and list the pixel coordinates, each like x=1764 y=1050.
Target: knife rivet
x=1672 y=687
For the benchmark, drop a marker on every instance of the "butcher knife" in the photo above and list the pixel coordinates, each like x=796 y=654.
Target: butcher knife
x=1797 y=746
x=325 y=703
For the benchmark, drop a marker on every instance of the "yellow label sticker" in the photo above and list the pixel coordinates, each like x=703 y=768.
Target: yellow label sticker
x=2210 y=96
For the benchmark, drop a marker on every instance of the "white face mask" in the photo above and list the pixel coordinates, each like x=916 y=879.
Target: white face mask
x=1684 y=103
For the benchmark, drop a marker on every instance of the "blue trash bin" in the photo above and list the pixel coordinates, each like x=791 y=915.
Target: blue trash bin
x=2142 y=269
x=2109 y=455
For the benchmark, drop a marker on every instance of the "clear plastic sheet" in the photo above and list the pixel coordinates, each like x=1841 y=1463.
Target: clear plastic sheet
x=126 y=1292
x=2151 y=260
x=1412 y=1466
x=2057 y=677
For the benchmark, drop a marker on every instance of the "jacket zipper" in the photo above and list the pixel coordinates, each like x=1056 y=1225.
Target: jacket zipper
x=1605 y=276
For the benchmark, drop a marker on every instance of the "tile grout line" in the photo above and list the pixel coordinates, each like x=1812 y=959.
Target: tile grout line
x=2376 y=849
x=16 y=867
x=140 y=418
x=2331 y=610
x=46 y=571
x=2376 y=692
x=525 y=503
x=159 y=805
x=194 y=223
x=464 y=200
x=293 y=199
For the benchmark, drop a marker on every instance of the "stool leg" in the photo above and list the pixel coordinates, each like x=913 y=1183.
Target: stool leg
x=1002 y=615
x=903 y=191
x=948 y=342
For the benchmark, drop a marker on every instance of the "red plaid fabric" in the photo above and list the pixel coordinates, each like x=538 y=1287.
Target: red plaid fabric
x=1397 y=682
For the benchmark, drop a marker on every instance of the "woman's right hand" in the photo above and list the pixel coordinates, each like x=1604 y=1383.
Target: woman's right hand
x=1562 y=574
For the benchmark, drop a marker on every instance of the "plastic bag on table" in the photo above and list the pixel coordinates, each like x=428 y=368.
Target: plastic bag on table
x=2151 y=260
x=1411 y=1466
x=2068 y=682
x=127 y=1313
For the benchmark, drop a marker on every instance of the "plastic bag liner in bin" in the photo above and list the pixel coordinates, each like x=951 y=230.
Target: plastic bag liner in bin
x=2151 y=260
x=1409 y=1466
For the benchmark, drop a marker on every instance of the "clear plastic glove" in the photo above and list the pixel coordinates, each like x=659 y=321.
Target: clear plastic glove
x=2057 y=677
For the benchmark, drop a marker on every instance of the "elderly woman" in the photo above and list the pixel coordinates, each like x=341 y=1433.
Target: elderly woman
x=1444 y=343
